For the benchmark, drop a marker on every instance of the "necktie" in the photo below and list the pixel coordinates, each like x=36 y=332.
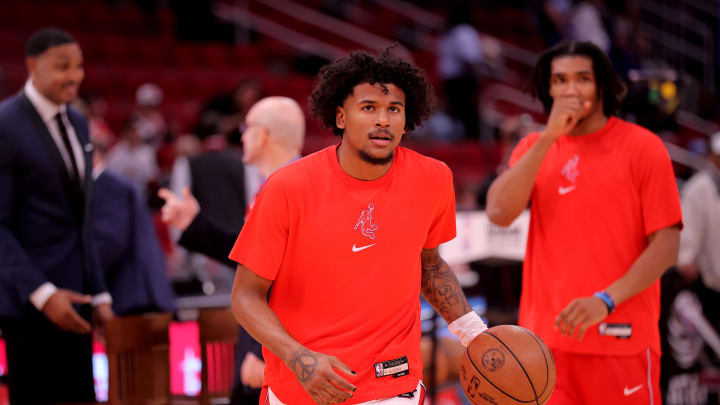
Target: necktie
x=68 y=147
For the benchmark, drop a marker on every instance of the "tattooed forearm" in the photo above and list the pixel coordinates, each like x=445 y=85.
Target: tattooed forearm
x=441 y=288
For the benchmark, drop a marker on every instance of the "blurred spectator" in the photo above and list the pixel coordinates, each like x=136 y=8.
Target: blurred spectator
x=586 y=24
x=440 y=127
x=133 y=159
x=222 y=185
x=625 y=37
x=94 y=108
x=689 y=345
x=147 y=119
x=622 y=54
x=100 y=132
x=128 y=248
x=224 y=113
x=273 y=137
x=553 y=19
x=214 y=171
x=699 y=253
x=165 y=156
x=690 y=294
x=460 y=58
x=187 y=146
x=579 y=20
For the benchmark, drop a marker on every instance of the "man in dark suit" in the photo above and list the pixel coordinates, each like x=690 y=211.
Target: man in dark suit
x=50 y=281
x=220 y=182
x=273 y=136
x=127 y=245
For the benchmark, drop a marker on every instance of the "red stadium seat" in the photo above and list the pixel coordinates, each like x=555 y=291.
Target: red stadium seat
x=218 y=332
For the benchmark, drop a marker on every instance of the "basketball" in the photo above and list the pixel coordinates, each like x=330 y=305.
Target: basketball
x=507 y=365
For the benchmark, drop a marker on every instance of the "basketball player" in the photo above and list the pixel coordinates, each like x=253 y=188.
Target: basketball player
x=348 y=237
x=605 y=222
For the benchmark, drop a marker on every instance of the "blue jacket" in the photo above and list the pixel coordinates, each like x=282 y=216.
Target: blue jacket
x=129 y=251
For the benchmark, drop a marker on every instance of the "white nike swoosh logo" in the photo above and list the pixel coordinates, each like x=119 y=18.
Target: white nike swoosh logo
x=357 y=249
x=629 y=391
x=565 y=190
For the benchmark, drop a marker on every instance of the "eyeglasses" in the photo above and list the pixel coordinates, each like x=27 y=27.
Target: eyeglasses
x=245 y=126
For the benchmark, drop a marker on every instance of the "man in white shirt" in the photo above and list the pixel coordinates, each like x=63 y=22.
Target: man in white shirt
x=51 y=287
x=699 y=250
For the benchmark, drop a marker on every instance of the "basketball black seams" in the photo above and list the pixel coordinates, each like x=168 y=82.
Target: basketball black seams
x=477 y=369
x=522 y=367
x=547 y=366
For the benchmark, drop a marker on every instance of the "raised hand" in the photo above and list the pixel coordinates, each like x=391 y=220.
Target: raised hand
x=566 y=112
x=178 y=212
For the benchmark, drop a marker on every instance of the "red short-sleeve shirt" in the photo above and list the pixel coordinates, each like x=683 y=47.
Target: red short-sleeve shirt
x=344 y=257
x=595 y=200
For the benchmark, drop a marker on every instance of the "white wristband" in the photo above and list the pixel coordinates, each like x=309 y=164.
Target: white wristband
x=42 y=294
x=467 y=327
x=102 y=298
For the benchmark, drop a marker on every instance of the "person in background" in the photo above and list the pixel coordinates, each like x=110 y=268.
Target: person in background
x=52 y=289
x=460 y=60
x=699 y=257
x=128 y=248
x=605 y=225
x=147 y=119
x=134 y=159
x=273 y=136
x=227 y=111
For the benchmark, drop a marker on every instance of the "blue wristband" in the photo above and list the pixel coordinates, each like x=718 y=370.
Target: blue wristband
x=607 y=300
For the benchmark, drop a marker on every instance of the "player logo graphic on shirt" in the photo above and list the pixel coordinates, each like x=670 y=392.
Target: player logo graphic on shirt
x=570 y=171
x=367 y=228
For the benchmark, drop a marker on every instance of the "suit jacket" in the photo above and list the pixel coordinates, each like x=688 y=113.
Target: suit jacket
x=207 y=237
x=129 y=251
x=218 y=183
x=44 y=225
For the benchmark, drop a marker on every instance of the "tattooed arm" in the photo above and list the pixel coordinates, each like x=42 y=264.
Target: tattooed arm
x=315 y=371
x=441 y=288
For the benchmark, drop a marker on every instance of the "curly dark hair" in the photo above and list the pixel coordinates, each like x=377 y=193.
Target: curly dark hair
x=337 y=79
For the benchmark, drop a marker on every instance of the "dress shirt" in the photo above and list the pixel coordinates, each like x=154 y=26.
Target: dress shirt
x=48 y=110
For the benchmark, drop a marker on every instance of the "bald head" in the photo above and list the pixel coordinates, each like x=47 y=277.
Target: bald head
x=284 y=120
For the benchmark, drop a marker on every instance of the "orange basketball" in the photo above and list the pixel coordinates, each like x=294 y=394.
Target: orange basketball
x=507 y=365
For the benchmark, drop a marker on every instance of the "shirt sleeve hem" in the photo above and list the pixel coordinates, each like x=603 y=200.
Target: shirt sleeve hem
x=261 y=269
x=440 y=241
x=662 y=225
